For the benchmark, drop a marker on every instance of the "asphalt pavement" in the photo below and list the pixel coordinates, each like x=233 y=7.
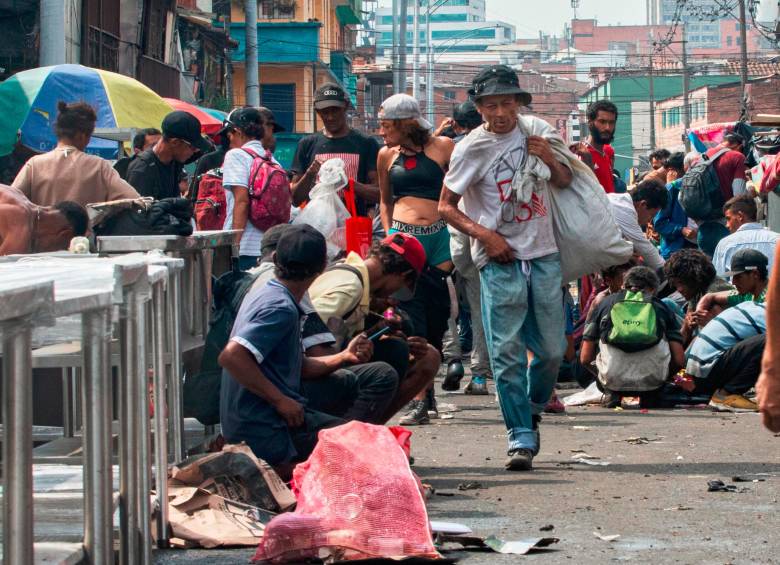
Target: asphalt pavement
x=646 y=482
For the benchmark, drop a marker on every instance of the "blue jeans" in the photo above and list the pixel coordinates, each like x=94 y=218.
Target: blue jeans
x=521 y=311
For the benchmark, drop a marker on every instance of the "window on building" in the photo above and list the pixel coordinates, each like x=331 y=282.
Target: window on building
x=739 y=41
x=275 y=9
x=280 y=99
x=664 y=119
x=729 y=41
x=449 y=95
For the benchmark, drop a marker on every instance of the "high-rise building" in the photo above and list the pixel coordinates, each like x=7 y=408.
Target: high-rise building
x=458 y=27
x=700 y=32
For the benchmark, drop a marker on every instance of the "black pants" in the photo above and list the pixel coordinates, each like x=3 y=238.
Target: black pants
x=362 y=392
x=737 y=369
x=429 y=310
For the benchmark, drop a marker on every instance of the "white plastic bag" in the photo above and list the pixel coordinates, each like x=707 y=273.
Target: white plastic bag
x=325 y=210
x=587 y=235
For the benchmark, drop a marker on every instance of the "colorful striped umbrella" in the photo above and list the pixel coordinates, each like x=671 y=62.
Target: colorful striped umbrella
x=28 y=105
x=219 y=114
x=209 y=124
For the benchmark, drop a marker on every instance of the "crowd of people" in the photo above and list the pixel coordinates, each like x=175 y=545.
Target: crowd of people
x=464 y=265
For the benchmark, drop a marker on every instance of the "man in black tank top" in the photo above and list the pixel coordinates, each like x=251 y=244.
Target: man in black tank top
x=336 y=140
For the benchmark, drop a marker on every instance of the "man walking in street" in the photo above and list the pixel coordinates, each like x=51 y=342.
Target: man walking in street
x=337 y=139
x=596 y=151
x=514 y=247
x=155 y=172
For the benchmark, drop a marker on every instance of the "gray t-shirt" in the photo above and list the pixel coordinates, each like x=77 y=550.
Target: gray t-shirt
x=481 y=170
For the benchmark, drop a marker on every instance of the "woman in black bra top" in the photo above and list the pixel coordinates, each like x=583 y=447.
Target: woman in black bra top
x=411 y=170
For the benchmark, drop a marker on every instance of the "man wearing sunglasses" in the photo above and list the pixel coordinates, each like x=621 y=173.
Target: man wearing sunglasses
x=155 y=172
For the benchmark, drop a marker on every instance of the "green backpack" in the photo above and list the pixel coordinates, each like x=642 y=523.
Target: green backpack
x=633 y=323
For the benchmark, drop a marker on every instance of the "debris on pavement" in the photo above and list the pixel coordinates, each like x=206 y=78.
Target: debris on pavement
x=591 y=395
x=754 y=478
x=470 y=485
x=547 y=528
x=581 y=428
x=641 y=440
x=521 y=547
x=610 y=538
x=582 y=457
x=449 y=528
x=679 y=507
x=720 y=486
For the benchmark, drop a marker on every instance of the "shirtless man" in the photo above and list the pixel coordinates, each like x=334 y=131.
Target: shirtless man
x=28 y=228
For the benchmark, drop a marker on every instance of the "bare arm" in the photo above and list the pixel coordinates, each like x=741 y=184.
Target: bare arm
x=369 y=191
x=240 y=207
x=678 y=355
x=301 y=185
x=495 y=245
x=242 y=366
x=560 y=174
x=358 y=351
x=587 y=352
x=385 y=189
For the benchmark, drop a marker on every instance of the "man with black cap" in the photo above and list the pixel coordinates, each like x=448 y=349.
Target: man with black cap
x=513 y=246
x=155 y=172
x=336 y=140
x=261 y=400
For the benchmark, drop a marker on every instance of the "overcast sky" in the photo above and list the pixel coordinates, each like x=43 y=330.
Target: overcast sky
x=530 y=16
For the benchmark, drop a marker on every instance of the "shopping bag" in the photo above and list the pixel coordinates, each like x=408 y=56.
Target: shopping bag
x=359 y=229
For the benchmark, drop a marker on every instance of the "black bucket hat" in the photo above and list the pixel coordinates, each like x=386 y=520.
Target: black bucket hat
x=495 y=80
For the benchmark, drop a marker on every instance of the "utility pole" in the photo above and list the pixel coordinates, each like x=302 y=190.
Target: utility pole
x=402 y=47
x=652 y=104
x=251 y=62
x=686 y=89
x=416 y=51
x=394 y=58
x=228 y=64
x=743 y=75
x=429 y=78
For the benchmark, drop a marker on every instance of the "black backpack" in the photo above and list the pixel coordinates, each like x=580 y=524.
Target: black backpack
x=700 y=195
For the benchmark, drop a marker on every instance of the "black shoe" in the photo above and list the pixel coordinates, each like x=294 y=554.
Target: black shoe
x=417 y=415
x=611 y=400
x=535 y=419
x=433 y=408
x=519 y=460
x=455 y=373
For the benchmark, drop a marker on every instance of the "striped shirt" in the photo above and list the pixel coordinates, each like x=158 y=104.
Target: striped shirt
x=727 y=329
x=748 y=236
x=235 y=172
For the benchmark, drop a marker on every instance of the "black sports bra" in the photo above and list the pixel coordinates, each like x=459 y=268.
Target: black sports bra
x=416 y=175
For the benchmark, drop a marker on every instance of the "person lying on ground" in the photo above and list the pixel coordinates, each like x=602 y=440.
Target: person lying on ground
x=748 y=275
x=633 y=211
x=28 y=228
x=692 y=274
x=633 y=338
x=725 y=359
x=261 y=400
x=343 y=295
x=768 y=386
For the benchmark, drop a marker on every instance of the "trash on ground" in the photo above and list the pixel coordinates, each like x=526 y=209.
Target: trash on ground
x=720 y=486
x=340 y=516
x=235 y=474
x=591 y=395
x=582 y=428
x=444 y=493
x=680 y=508
x=470 y=485
x=520 y=547
x=752 y=478
x=446 y=416
x=450 y=528
x=641 y=440
x=602 y=537
x=547 y=528
x=582 y=457
x=445 y=408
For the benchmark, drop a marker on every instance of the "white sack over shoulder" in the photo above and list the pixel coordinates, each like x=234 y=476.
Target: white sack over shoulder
x=588 y=238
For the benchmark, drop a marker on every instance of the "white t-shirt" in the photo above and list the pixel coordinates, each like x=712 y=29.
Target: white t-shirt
x=235 y=172
x=481 y=170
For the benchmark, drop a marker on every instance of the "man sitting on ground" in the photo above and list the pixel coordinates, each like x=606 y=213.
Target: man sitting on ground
x=261 y=397
x=28 y=228
x=741 y=212
x=749 y=270
x=343 y=295
x=636 y=336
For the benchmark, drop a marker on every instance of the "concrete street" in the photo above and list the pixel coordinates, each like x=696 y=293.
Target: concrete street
x=653 y=493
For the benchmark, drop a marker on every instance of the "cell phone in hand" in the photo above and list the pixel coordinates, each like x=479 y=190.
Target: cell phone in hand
x=376 y=335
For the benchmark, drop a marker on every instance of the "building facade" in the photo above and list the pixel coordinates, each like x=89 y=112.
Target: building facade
x=458 y=27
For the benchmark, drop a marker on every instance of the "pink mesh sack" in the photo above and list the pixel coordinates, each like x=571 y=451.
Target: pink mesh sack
x=358 y=500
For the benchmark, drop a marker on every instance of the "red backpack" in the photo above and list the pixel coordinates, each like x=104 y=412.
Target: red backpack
x=211 y=202
x=269 y=193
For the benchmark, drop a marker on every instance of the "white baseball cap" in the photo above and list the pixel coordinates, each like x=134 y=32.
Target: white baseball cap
x=403 y=107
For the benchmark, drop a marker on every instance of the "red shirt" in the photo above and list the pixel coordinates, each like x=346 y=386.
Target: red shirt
x=730 y=167
x=602 y=166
